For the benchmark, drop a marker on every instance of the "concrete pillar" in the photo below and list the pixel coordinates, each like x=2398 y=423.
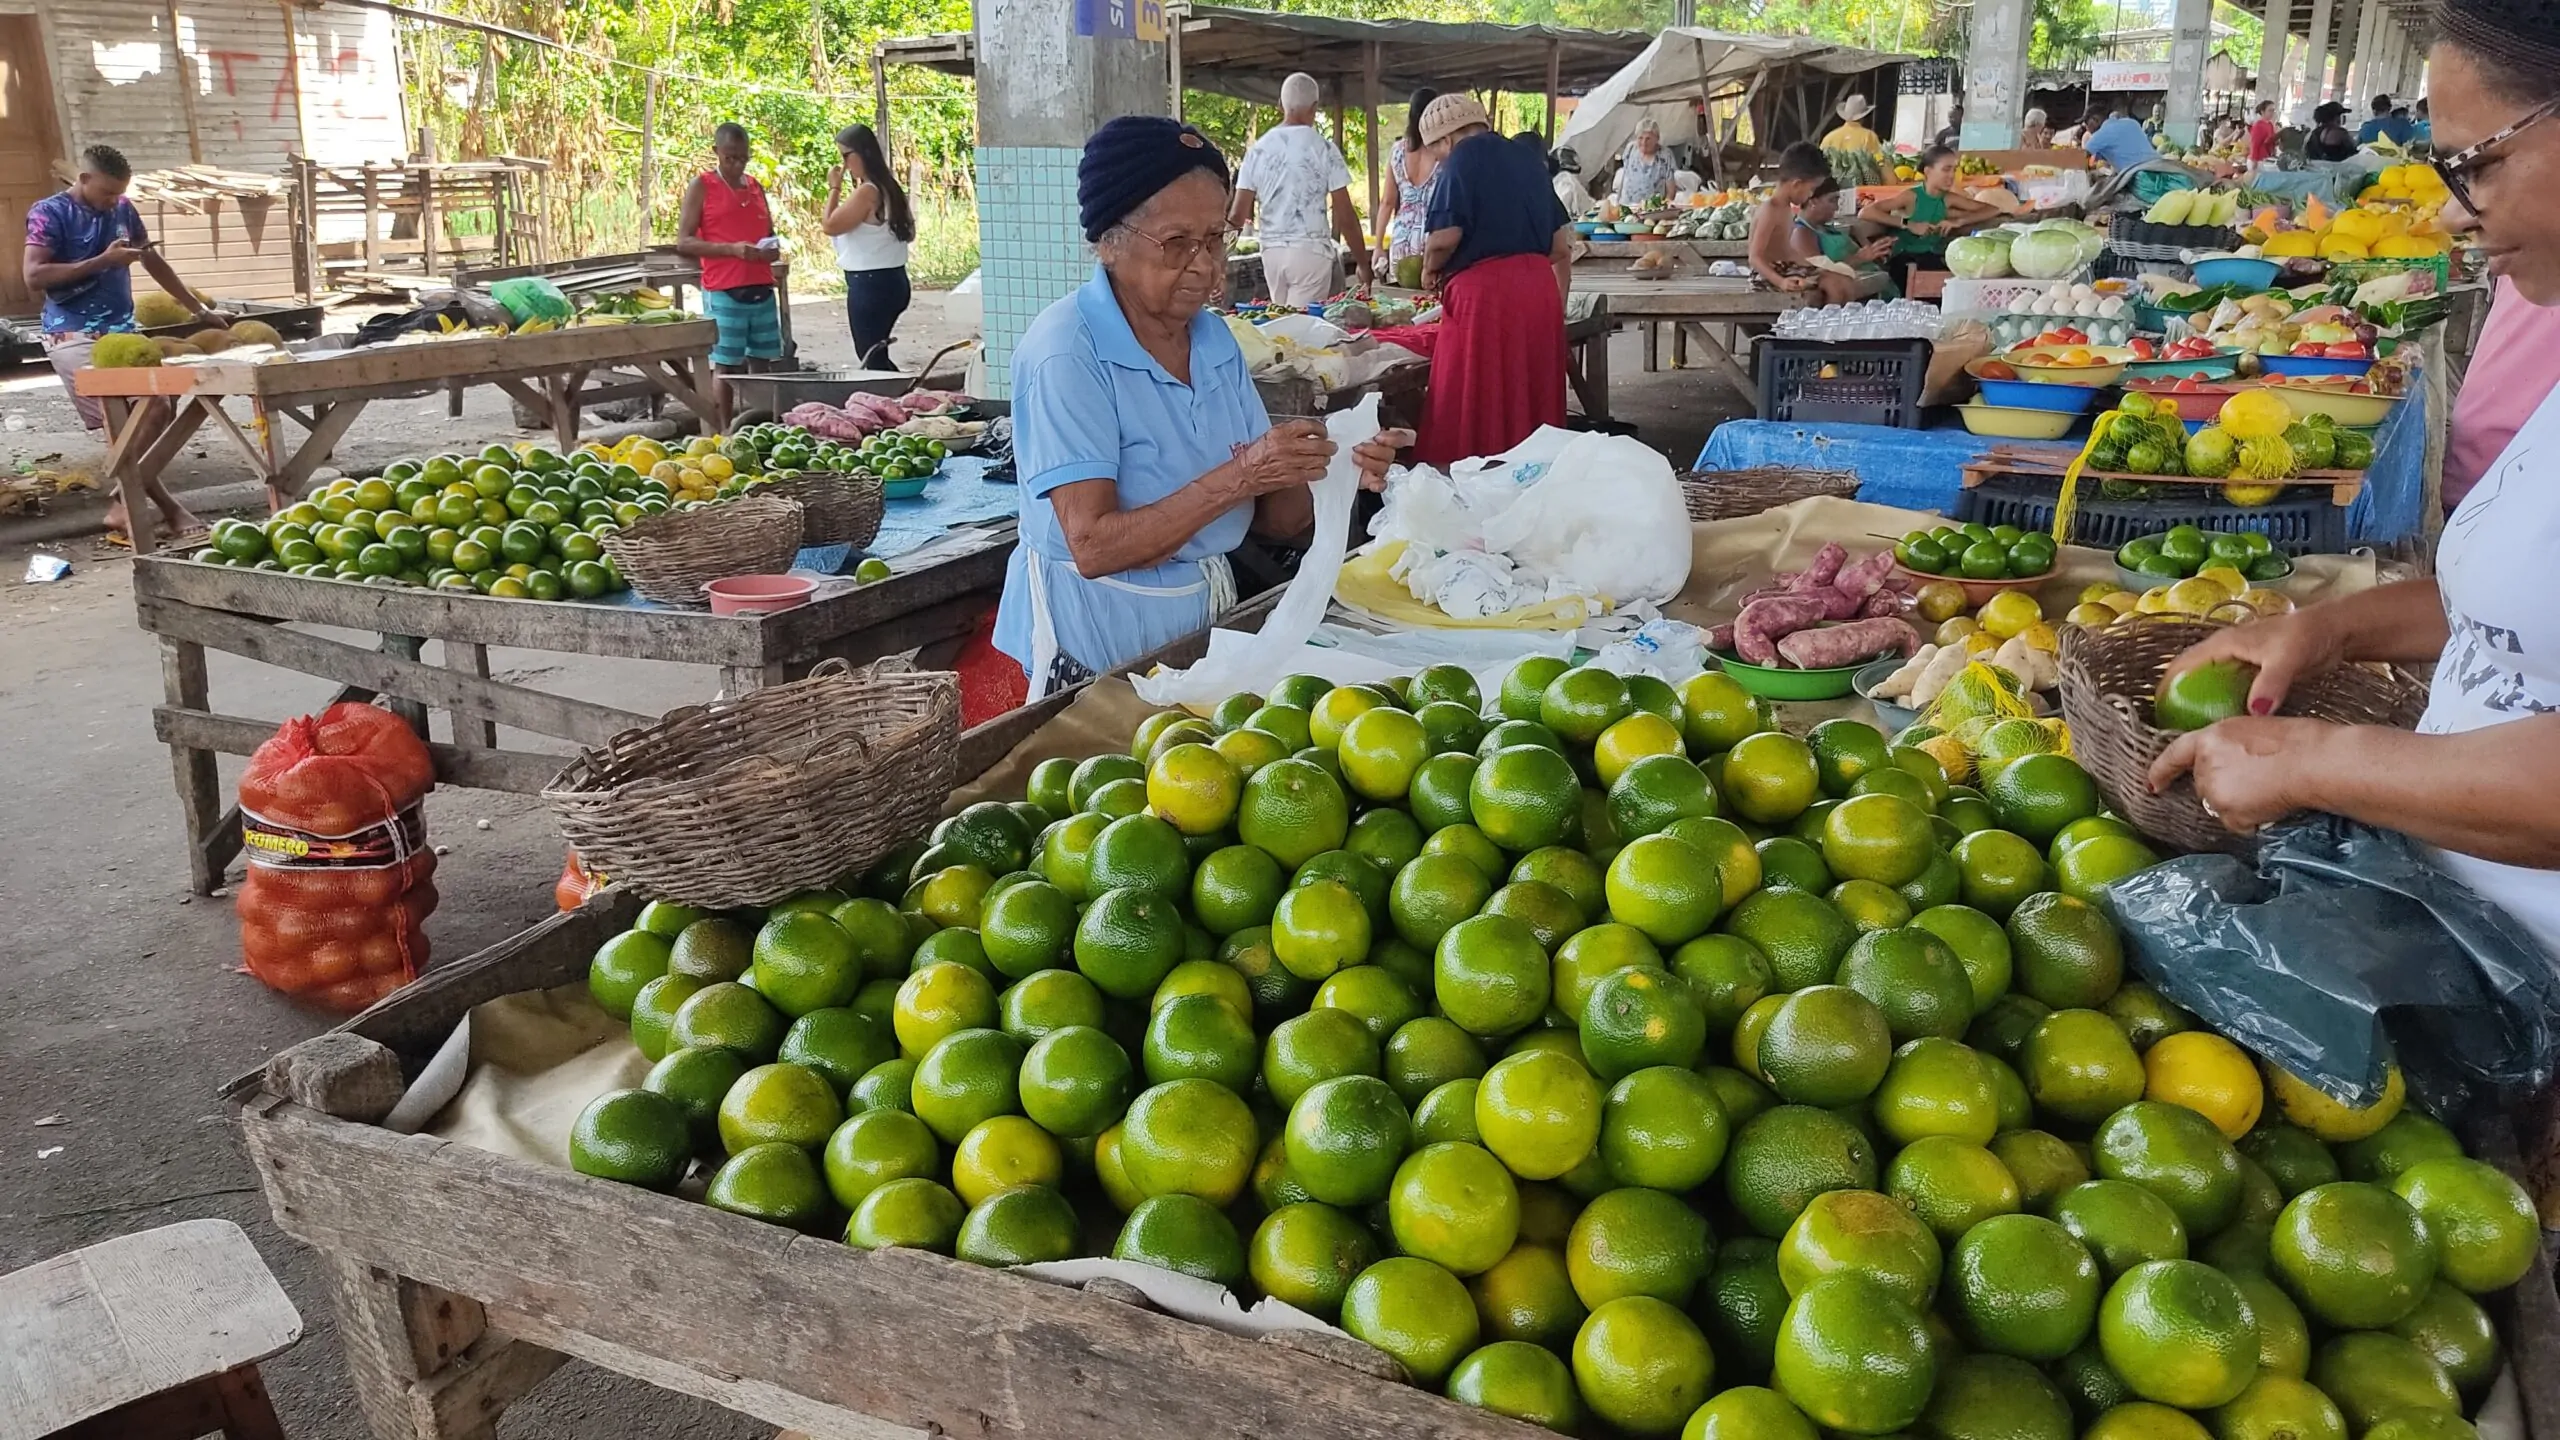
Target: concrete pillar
x=2271 y=51
x=2315 y=61
x=2191 y=38
x=1995 y=94
x=1048 y=75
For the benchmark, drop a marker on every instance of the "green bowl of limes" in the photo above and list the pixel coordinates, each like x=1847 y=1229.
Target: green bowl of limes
x=1983 y=559
x=2182 y=551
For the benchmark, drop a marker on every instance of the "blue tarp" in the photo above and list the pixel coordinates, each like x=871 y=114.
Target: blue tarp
x=1922 y=469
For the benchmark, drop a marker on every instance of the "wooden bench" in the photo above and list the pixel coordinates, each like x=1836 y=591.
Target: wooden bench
x=155 y=1336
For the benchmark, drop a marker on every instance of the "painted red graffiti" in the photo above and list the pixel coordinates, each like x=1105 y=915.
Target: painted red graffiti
x=349 y=73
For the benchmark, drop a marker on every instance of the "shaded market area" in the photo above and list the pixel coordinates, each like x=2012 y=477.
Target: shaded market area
x=1648 y=733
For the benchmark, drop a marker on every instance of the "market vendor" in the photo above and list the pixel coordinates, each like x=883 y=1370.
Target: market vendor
x=1645 y=169
x=1144 y=451
x=1851 y=135
x=1923 y=218
x=82 y=245
x=1500 y=250
x=1783 y=246
x=1813 y=235
x=725 y=224
x=2480 y=778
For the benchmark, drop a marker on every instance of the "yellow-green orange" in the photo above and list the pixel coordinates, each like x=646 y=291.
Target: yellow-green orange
x=1854 y=1357
x=1432 y=894
x=2279 y=1407
x=775 y=1182
x=1416 y=1312
x=1521 y=1380
x=1747 y=1412
x=1878 y=837
x=1649 y=793
x=1345 y=1138
x=1952 y=1185
x=2356 y=1255
x=1717 y=713
x=1454 y=1205
x=622 y=965
x=1590 y=954
x=638 y=1137
x=1189 y=1137
x=2179 y=1334
x=1802 y=935
x=2373 y=1375
x=1294 y=810
x=2177 y=1155
x=2022 y=1285
x=1635 y=1241
x=1826 y=1045
x=1665 y=887
x=1128 y=940
x=1770 y=777
x=1307 y=1255
x=2451 y=1329
x=1663 y=1128
x=1633 y=1019
x=1582 y=703
x=1539 y=1113
x=1913 y=978
x=1524 y=797
x=2482 y=1221
x=1001 y=1152
x=1184 y=1234
x=1936 y=1086
x=1642 y=1365
x=1380 y=751
x=1863 y=1233
x=1996 y=1395
x=2078 y=1065
x=1783 y=1157
x=2065 y=951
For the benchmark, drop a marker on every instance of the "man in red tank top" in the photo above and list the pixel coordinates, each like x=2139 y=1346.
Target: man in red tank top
x=726 y=225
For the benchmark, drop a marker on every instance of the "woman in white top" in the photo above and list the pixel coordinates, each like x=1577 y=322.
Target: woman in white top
x=872 y=225
x=2480 y=779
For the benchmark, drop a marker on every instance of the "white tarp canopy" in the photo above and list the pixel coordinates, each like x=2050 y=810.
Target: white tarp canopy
x=1683 y=64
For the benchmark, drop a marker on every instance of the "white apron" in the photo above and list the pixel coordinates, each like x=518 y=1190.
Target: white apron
x=1217 y=581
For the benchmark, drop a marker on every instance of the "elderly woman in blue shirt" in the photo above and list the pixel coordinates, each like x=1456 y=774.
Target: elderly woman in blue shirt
x=1145 y=453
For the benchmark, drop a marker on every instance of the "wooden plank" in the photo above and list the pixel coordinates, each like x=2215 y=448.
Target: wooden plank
x=803 y=633
x=690 y=637
x=404 y=368
x=521 y=772
x=767 y=1402
x=720 y=1295
x=469 y=659
x=558 y=715
x=86 y=1332
x=199 y=782
x=397 y=1332
x=467 y=1397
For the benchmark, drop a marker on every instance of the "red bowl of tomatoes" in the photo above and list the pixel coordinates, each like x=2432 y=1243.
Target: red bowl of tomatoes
x=2192 y=399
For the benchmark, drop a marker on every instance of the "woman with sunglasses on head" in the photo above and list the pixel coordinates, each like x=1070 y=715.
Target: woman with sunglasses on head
x=1145 y=454
x=2480 y=779
x=872 y=225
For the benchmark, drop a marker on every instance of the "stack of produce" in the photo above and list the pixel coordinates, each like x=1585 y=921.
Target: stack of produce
x=864 y=414
x=1629 y=1067
x=2381 y=226
x=1976 y=552
x=1834 y=612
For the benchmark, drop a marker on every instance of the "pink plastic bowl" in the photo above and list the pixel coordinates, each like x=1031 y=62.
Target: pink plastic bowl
x=758 y=594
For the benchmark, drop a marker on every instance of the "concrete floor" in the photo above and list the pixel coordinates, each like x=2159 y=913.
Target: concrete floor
x=123 y=1007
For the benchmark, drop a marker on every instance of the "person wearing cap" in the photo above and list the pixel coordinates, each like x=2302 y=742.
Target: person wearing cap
x=2329 y=138
x=1851 y=134
x=1144 y=451
x=1645 y=169
x=2388 y=122
x=1297 y=181
x=1500 y=252
x=1571 y=193
x=2477 y=781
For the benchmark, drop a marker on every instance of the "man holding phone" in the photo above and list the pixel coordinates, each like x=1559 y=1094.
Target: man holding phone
x=82 y=244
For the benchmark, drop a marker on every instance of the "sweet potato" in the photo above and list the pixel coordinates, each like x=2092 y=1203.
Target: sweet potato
x=1757 y=630
x=1848 y=644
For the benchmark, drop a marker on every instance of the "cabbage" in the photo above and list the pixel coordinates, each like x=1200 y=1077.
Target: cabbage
x=2043 y=253
x=1979 y=257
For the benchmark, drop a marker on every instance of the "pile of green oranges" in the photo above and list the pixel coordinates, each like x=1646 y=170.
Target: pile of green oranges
x=1607 y=1056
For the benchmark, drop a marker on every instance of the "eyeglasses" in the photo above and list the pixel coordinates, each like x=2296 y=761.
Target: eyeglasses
x=1181 y=250
x=2457 y=168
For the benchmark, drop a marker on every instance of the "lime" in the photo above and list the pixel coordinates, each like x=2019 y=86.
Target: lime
x=1184 y=1234
x=1307 y=1254
x=1415 y=1311
x=639 y=1137
x=1642 y=1365
x=2022 y=1285
x=1854 y=1357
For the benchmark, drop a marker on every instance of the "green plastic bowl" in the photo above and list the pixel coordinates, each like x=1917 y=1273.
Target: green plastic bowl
x=907 y=489
x=1782 y=684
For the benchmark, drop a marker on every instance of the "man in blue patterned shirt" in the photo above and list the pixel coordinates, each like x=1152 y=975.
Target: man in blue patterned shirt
x=81 y=246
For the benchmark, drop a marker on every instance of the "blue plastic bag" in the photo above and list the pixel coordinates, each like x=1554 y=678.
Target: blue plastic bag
x=2341 y=947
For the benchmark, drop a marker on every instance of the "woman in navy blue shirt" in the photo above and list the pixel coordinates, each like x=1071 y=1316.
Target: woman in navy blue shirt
x=1500 y=251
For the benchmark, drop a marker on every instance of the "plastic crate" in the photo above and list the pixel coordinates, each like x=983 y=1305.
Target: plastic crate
x=2309 y=523
x=1874 y=382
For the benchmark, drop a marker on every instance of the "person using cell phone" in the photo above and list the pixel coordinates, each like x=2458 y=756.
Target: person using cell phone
x=82 y=245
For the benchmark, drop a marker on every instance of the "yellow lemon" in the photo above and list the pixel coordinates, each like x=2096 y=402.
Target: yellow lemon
x=2009 y=613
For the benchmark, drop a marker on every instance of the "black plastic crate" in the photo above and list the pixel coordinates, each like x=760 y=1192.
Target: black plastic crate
x=1870 y=382
x=2304 y=523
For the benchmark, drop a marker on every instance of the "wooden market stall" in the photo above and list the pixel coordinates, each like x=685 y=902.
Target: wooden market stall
x=464 y=1277
x=323 y=391
x=1694 y=305
x=194 y=607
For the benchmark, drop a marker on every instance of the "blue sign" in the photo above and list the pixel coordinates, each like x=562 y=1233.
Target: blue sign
x=1121 y=19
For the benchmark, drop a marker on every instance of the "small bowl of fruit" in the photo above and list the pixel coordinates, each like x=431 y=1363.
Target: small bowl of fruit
x=2190 y=358
x=2347 y=400
x=2083 y=365
x=1983 y=559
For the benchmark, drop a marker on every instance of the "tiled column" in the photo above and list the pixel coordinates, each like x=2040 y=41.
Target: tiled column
x=1042 y=88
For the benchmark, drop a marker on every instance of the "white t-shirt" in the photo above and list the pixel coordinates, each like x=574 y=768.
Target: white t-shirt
x=2502 y=663
x=1293 y=171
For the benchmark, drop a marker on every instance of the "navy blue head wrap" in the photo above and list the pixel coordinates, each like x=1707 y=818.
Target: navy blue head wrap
x=1131 y=158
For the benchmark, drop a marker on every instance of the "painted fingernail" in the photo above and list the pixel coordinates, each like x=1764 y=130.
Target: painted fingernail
x=2260 y=706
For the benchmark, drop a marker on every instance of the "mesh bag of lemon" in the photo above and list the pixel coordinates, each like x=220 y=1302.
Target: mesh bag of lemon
x=1606 y=1055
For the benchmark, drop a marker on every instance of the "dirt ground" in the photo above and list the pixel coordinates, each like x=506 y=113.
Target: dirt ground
x=122 y=1006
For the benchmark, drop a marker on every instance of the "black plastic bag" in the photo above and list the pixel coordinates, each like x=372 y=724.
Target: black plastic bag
x=2342 y=947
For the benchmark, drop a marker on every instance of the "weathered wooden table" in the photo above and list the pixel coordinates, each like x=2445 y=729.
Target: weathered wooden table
x=1600 y=254
x=1691 y=303
x=324 y=391
x=464 y=1277
x=193 y=607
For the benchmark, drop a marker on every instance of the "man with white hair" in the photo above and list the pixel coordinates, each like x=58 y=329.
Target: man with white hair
x=1293 y=175
x=1645 y=170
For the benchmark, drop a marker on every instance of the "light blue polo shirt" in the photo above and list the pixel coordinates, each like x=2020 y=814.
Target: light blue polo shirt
x=1089 y=403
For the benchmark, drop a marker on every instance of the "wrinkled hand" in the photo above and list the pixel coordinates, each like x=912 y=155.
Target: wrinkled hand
x=120 y=253
x=2249 y=770
x=1378 y=452
x=2285 y=648
x=1290 y=453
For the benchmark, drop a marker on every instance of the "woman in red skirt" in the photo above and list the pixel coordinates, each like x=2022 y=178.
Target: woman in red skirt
x=1500 y=251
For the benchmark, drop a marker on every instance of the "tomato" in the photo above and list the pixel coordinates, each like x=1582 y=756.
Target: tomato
x=1996 y=370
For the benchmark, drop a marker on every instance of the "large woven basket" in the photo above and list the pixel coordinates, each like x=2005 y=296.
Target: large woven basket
x=843 y=506
x=1729 y=494
x=669 y=558
x=745 y=801
x=2108 y=679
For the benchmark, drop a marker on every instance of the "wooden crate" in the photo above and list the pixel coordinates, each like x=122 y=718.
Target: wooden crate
x=464 y=1277
x=193 y=607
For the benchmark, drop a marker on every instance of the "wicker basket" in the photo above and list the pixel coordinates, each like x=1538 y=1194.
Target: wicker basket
x=1729 y=494
x=669 y=558
x=2108 y=679
x=745 y=801
x=843 y=506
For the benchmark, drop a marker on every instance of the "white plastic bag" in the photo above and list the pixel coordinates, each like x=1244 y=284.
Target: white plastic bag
x=1262 y=660
x=1606 y=516
x=1311 y=332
